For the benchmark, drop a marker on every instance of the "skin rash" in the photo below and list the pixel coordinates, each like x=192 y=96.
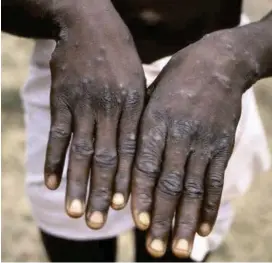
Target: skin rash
x=183 y=126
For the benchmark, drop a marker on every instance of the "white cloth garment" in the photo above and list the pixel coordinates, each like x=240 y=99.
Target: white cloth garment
x=250 y=157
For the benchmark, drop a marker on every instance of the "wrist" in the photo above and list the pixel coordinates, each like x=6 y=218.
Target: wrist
x=257 y=40
x=78 y=15
x=251 y=47
x=232 y=56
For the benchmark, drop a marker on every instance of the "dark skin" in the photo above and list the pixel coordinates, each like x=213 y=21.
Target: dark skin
x=186 y=132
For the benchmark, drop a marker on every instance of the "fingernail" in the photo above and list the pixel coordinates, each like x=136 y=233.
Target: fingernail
x=144 y=219
x=118 y=200
x=96 y=219
x=182 y=245
x=51 y=181
x=157 y=245
x=205 y=229
x=76 y=208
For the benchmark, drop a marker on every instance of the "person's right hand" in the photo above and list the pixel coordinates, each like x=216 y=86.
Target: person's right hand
x=97 y=97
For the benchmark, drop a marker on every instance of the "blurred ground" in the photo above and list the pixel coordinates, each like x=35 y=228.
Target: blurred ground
x=251 y=235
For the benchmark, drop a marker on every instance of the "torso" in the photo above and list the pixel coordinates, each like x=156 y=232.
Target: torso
x=162 y=27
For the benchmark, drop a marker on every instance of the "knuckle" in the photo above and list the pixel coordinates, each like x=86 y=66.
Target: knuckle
x=154 y=112
x=193 y=189
x=161 y=223
x=109 y=101
x=105 y=159
x=216 y=183
x=82 y=149
x=143 y=182
x=59 y=132
x=148 y=161
x=127 y=147
x=148 y=167
x=152 y=139
x=224 y=143
x=134 y=98
x=183 y=129
x=149 y=158
x=171 y=184
x=187 y=222
x=144 y=198
x=211 y=206
x=103 y=193
x=101 y=197
x=59 y=99
x=122 y=181
x=105 y=100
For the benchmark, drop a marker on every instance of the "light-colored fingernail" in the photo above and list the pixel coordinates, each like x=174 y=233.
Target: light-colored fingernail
x=118 y=199
x=157 y=245
x=76 y=207
x=52 y=181
x=96 y=219
x=144 y=219
x=205 y=229
x=182 y=245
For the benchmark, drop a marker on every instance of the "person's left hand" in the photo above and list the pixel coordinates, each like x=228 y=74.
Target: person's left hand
x=186 y=139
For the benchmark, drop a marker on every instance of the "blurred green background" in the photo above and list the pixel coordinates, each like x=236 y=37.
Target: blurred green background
x=250 y=238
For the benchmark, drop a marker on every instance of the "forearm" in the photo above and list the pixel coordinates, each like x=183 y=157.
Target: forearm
x=257 y=39
x=45 y=18
x=247 y=50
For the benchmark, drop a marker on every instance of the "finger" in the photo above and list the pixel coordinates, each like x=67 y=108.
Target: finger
x=188 y=212
x=167 y=194
x=103 y=171
x=126 y=148
x=213 y=190
x=58 y=142
x=147 y=167
x=81 y=153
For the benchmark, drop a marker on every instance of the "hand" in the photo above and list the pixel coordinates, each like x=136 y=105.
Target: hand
x=186 y=139
x=97 y=96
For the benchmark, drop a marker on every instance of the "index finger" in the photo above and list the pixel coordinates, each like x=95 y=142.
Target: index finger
x=146 y=168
